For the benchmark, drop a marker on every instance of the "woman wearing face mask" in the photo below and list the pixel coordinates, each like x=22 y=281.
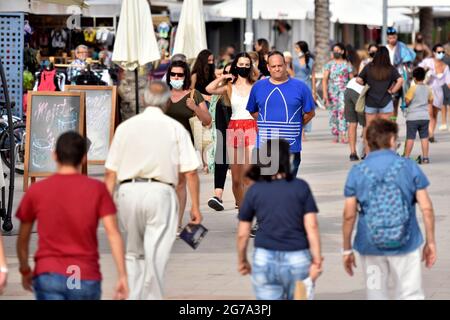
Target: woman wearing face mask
x=439 y=75
x=421 y=49
x=241 y=132
x=372 y=51
x=203 y=73
x=304 y=70
x=337 y=73
x=217 y=157
x=181 y=108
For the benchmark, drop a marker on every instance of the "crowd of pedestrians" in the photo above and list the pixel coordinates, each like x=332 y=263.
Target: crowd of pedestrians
x=256 y=107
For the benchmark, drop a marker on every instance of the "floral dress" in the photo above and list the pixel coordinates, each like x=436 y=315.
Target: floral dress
x=437 y=81
x=337 y=82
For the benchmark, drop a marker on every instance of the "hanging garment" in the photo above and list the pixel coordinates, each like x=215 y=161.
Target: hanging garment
x=89 y=35
x=59 y=38
x=47 y=80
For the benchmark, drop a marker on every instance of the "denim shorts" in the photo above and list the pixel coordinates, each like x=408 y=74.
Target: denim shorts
x=274 y=273
x=53 y=286
x=389 y=108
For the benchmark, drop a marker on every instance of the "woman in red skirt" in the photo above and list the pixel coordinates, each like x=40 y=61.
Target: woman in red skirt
x=241 y=132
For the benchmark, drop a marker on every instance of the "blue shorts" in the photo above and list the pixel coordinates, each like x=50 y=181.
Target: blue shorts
x=389 y=108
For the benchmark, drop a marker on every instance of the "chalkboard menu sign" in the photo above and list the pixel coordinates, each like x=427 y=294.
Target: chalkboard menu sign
x=49 y=114
x=100 y=119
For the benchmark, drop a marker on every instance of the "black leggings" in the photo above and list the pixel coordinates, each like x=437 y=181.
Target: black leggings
x=223 y=113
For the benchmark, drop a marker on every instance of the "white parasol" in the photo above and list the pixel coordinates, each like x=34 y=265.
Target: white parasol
x=135 y=43
x=135 y=40
x=190 y=38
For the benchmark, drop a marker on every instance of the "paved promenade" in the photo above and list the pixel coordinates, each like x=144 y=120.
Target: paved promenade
x=211 y=271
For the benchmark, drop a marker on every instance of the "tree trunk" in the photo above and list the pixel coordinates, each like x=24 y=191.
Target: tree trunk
x=426 y=24
x=321 y=32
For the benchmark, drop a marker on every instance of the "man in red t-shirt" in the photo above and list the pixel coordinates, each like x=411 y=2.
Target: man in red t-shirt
x=67 y=208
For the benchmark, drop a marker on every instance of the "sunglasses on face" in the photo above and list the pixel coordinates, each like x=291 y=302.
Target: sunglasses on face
x=175 y=74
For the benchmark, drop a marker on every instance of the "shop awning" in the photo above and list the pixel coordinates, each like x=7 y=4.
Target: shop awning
x=364 y=12
x=276 y=10
x=89 y=8
x=418 y=3
x=80 y=3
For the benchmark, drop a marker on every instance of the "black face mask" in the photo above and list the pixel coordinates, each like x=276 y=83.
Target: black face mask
x=243 y=72
x=337 y=55
x=372 y=54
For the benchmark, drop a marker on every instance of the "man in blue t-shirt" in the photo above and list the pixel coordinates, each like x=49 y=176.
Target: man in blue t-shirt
x=282 y=106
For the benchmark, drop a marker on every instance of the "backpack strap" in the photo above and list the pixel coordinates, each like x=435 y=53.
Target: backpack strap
x=395 y=169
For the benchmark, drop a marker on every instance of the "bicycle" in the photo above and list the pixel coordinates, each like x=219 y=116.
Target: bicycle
x=19 y=128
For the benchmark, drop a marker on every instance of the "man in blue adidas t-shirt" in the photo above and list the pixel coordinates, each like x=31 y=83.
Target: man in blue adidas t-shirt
x=282 y=106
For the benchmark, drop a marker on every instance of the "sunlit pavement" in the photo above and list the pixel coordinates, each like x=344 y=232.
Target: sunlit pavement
x=210 y=272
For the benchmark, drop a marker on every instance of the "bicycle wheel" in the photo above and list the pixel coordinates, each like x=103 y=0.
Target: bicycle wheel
x=19 y=135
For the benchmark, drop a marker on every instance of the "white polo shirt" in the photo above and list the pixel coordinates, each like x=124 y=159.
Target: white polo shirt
x=151 y=145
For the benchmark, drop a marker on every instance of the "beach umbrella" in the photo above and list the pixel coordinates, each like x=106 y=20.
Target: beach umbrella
x=190 y=37
x=135 y=43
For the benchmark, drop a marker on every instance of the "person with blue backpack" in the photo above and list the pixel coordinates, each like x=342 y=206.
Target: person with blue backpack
x=382 y=192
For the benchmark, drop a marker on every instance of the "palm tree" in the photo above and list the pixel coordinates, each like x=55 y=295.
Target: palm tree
x=426 y=24
x=321 y=32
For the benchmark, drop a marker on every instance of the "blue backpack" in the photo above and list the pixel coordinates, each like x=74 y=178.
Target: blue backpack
x=387 y=212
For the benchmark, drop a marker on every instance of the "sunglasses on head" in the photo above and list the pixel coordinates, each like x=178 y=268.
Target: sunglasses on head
x=391 y=31
x=176 y=74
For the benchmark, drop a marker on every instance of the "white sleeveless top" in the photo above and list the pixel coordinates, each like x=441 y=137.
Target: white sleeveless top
x=239 y=106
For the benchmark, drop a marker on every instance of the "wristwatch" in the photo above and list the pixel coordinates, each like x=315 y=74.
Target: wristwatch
x=347 y=252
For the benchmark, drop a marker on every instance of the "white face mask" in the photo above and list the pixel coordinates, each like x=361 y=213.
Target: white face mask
x=177 y=84
x=301 y=54
x=440 y=56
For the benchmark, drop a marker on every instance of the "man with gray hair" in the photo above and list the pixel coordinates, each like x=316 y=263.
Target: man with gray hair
x=148 y=153
x=81 y=54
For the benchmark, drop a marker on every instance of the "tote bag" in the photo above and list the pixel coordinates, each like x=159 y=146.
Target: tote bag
x=361 y=103
x=202 y=135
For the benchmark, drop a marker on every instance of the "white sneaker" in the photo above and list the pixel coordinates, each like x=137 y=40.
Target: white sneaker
x=443 y=127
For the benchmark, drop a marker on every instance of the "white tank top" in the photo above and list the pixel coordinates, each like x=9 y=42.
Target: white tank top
x=239 y=106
